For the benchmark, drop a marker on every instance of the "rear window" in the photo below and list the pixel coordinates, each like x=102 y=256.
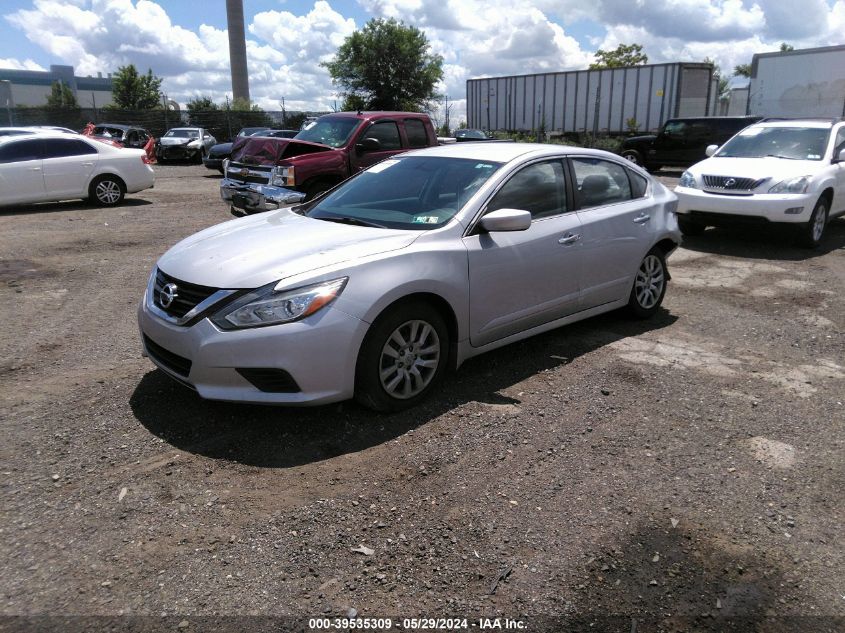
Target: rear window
x=417 y=136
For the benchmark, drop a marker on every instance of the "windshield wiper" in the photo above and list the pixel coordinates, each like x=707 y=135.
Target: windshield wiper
x=354 y=221
x=782 y=156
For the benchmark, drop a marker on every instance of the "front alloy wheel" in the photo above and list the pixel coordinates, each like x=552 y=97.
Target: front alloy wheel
x=812 y=232
x=649 y=285
x=409 y=359
x=402 y=358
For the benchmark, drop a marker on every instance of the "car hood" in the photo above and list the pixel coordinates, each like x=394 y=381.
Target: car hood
x=775 y=168
x=636 y=140
x=263 y=150
x=176 y=140
x=259 y=249
x=220 y=148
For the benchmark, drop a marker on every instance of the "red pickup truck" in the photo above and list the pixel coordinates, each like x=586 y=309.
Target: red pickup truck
x=266 y=173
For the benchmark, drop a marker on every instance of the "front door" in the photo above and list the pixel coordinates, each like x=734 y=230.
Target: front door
x=387 y=134
x=522 y=279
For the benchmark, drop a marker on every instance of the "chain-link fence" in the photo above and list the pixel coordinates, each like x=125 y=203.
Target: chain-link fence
x=222 y=123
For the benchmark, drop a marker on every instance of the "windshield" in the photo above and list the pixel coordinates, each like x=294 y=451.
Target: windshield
x=796 y=143
x=415 y=193
x=331 y=131
x=183 y=133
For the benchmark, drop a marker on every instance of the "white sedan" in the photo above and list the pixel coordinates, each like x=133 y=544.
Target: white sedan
x=790 y=172
x=51 y=166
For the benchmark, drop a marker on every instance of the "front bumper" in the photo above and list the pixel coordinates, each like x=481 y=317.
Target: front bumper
x=214 y=162
x=762 y=207
x=249 y=198
x=319 y=353
x=176 y=152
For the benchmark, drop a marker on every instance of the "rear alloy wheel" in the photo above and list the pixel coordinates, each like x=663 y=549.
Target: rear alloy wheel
x=106 y=191
x=812 y=233
x=690 y=227
x=402 y=358
x=633 y=156
x=649 y=285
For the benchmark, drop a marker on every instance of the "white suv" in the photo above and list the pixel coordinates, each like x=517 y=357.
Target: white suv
x=777 y=171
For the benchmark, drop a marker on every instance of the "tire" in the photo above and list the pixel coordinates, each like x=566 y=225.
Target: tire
x=812 y=232
x=106 y=191
x=201 y=155
x=649 y=285
x=633 y=156
x=314 y=188
x=403 y=357
x=689 y=227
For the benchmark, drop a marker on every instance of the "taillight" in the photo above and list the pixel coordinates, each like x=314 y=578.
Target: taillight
x=146 y=160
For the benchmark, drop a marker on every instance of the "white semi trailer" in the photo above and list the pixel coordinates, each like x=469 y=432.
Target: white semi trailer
x=796 y=84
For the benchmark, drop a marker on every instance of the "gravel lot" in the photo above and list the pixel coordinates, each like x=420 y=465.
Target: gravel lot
x=682 y=474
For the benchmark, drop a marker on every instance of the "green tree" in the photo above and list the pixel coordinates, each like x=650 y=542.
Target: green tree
x=717 y=73
x=386 y=66
x=61 y=96
x=742 y=70
x=785 y=48
x=131 y=91
x=622 y=56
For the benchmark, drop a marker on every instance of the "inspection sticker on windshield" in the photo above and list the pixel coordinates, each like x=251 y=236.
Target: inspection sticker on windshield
x=426 y=219
x=380 y=167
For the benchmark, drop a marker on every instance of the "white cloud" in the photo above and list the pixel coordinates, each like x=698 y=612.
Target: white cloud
x=15 y=64
x=475 y=38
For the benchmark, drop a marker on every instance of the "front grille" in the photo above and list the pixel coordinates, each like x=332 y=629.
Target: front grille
x=269 y=380
x=729 y=183
x=257 y=174
x=726 y=219
x=175 y=363
x=188 y=296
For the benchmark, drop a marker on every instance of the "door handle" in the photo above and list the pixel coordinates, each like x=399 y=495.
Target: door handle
x=642 y=219
x=569 y=239
x=34 y=169
x=87 y=164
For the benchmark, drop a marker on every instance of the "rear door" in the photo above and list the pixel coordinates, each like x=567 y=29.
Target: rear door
x=68 y=164
x=21 y=173
x=615 y=211
x=522 y=279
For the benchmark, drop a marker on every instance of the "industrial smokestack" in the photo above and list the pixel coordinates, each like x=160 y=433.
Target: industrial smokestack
x=237 y=49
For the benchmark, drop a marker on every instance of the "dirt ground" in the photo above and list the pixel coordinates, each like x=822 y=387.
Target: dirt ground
x=680 y=474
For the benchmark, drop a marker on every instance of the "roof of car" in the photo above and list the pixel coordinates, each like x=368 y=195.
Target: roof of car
x=375 y=114
x=185 y=127
x=819 y=123
x=119 y=126
x=505 y=152
x=40 y=134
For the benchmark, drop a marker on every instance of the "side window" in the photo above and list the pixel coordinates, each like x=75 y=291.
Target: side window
x=21 y=151
x=839 y=144
x=639 y=185
x=674 y=129
x=60 y=147
x=600 y=182
x=415 y=130
x=538 y=188
x=386 y=133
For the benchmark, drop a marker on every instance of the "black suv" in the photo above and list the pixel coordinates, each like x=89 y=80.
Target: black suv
x=681 y=142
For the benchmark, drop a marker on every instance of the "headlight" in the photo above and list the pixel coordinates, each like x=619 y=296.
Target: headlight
x=687 y=180
x=283 y=177
x=266 y=306
x=793 y=185
x=193 y=143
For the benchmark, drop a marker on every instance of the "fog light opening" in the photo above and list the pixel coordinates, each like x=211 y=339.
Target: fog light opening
x=794 y=210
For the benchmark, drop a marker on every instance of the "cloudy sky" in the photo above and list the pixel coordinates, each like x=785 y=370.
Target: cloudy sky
x=185 y=41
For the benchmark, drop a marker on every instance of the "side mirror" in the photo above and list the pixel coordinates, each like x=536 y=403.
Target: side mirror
x=711 y=149
x=506 y=220
x=839 y=158
x=368 y=145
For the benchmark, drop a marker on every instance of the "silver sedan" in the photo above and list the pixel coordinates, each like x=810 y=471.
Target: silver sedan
x=378 y=287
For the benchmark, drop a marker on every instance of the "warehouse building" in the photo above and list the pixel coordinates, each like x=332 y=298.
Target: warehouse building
x=32 y=87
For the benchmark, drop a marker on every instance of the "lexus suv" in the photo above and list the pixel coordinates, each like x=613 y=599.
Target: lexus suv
x=790 y=172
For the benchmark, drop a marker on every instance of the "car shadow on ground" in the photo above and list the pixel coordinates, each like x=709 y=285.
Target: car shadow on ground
x=214 y=175
x=765 y=242
x=70 y=205
x=279 y=437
